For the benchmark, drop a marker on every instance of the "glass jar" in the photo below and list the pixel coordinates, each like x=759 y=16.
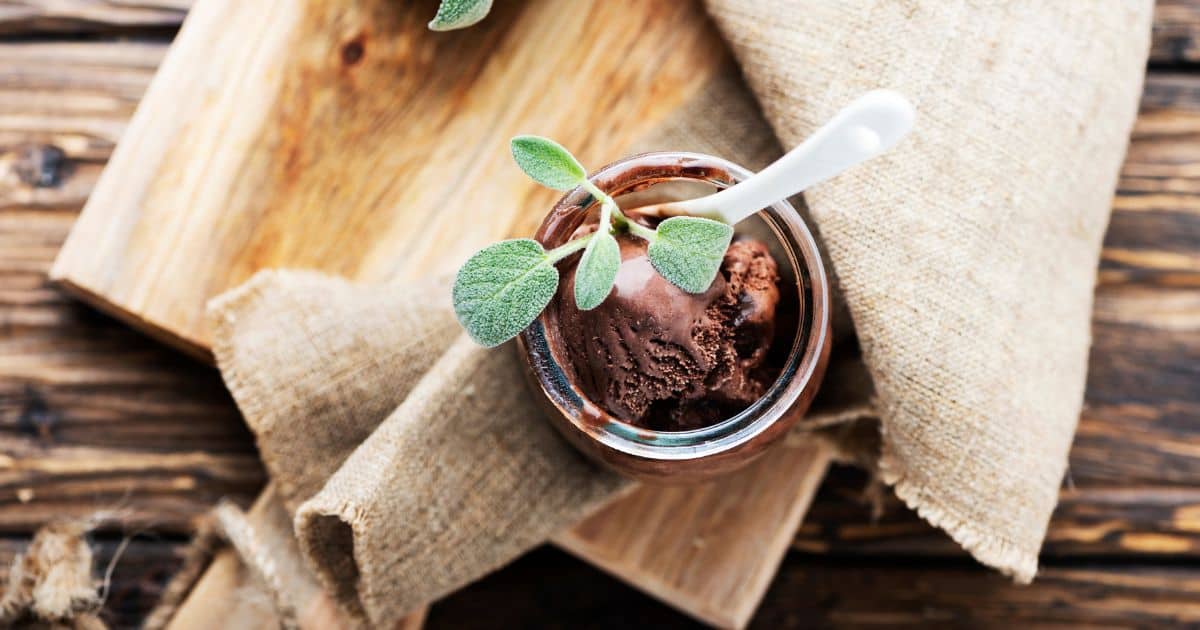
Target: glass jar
x=679 y=456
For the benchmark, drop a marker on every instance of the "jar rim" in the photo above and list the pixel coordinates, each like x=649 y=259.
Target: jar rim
x=787 y=226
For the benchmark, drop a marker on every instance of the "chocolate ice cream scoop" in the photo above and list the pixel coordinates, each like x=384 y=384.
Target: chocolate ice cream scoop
x=663 y=359
x=609 y=413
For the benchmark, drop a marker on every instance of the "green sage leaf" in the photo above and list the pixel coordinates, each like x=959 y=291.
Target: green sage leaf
x=501 y=289
x=597 y=270
x=687 y=251
x=547 y=162
x=452 y=14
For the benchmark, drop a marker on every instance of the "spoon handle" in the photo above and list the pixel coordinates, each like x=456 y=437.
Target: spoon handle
x=870 y=125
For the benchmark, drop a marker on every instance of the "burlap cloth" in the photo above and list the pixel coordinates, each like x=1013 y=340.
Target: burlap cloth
x=414 y=462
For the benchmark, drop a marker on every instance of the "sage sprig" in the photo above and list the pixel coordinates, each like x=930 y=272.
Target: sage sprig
x=454 y=14
x=501 y=289
x=688 y=251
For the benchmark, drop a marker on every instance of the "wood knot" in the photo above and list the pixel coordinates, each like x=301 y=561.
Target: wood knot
x=40 y=165
x=36 y=417
x=353 y=50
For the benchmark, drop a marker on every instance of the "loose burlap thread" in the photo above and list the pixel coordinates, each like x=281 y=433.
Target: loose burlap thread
x=415 y=462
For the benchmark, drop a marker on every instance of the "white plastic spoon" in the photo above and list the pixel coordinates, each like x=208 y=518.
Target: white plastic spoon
x=870 y=125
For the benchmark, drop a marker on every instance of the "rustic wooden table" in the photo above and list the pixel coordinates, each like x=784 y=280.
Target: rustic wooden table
x=94 y=416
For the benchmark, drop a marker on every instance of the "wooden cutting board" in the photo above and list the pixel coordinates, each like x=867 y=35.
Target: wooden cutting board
x=344 y=136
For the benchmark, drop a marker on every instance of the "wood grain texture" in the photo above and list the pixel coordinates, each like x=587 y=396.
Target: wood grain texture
x=286 y=155
x=1133 y=465
x=1176 y=38
x=211 y=188
x=922 y=595
x=846 y=592
x=24 y=17
x=1093 y=521
x=93 y=418
x=62 y=108
x=711 y=549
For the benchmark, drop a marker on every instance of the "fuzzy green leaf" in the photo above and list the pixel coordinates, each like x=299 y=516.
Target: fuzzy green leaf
x=452 y=14
x=687 y=251
x=547 y=162
x=597 y=271
x=501 y=289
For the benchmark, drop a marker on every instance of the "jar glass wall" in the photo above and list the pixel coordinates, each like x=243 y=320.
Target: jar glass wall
x=801 y=341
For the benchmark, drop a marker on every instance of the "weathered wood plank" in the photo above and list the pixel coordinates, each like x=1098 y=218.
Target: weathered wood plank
x=916 y=594
x=90 y=16
x=1154 y=234
x=815 y=592
x=1176 y=38
x=655 y=537
x=1091 y=521
x=62 y=108
x=1140 y=421
x=809 y=592
x=163 y=492
x=77 y=98
x=93 y=416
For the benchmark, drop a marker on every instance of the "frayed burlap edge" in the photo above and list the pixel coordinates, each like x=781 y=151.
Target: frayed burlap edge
x=1000 y=554
x=1003 y=555
x=222 y=318
x=343 y=583
x=221 y=322
x=988 y=548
